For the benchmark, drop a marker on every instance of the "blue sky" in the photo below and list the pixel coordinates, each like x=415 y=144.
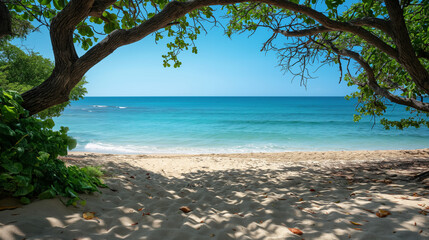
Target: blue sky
x=222 y=67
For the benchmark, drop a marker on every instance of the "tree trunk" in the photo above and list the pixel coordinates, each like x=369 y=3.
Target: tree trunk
x=5 y=21
x=50 y=93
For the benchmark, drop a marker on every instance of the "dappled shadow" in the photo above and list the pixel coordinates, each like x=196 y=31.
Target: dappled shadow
x=321 y=199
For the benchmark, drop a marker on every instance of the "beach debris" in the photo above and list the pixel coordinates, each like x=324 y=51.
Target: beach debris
x=140 y=209
x=133 y=224
x=355 y=223
x=88 y=215
x=416 y=195
x=8 y=207
x=382 y=213
x=359 y=229
x=312 y=190
x=148 y=214
x=424 y=212
x=296 y=231
x=185 y=209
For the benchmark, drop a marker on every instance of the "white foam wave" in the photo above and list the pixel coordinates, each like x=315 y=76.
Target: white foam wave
x=122 y=107
x=133 y=149
x=99 y=106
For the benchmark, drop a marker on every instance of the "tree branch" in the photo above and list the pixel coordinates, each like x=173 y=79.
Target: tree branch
x=5 y=21
x=99 y=6
x=378 y=23
x=406 y=53
x=62 y=28
x=121 y=37
x=336 y=25
x=372 y=83
x=304 y=32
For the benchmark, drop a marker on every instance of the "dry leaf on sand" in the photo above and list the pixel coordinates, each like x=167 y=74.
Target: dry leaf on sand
x=382 y=213
x=296 y=231
x=185 y=209
x=355 y=223
x=8 y=207
x=88 y=215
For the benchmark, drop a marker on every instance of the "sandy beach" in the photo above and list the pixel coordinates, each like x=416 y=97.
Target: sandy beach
x=326 y=195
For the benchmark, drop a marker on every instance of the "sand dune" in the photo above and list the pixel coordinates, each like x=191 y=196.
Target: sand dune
x=327 y=195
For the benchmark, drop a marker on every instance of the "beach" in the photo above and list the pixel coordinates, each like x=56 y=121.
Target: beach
x=324 y=195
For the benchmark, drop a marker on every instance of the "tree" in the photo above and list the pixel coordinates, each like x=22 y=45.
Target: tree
x=21 y=72
x=387 y=39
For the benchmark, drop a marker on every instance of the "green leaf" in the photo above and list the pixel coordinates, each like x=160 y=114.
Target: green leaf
x=25 y=200
x=13 y=168
x=5 y=176
x=9 y=113
x=22 y=181
x=109 y=27
x=71 y=192
x=71 y=143
x=49 y=123
x=22 y=191
x=47 y=194
x=44 y=2
x=6 y=130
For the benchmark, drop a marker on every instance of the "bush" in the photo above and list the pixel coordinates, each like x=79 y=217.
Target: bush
x=29 y=148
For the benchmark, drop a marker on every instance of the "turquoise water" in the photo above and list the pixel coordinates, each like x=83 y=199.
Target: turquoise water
x=229 y=124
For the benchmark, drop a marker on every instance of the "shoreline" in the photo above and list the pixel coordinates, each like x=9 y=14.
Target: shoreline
x=327 y=195
x=211 y=152
x=281 y=156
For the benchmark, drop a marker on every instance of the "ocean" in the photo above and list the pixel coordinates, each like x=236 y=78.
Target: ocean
x=144 y=125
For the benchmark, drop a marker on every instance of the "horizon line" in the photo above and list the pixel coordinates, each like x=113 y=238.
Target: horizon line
x=214 y=96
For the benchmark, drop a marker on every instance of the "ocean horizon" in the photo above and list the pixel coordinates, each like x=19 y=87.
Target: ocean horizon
x=232 y=124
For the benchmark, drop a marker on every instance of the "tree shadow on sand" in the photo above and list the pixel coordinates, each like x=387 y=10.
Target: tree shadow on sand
x=324 y=201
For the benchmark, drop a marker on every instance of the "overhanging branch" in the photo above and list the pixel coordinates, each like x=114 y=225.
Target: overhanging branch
x=304 y=32
x=372 y=82
x=5 y=21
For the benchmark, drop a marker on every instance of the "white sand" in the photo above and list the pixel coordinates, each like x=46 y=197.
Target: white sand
x=239 y=196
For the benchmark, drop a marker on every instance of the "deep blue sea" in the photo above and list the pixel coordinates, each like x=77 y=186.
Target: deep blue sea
x=229 y=125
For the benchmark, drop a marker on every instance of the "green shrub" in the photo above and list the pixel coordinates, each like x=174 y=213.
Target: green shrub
x=29 y=148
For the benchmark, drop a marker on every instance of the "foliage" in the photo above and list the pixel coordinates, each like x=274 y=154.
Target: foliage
x=21 y=72
x=29 y=148
x=304 y=32
x=390 y=73
x=297 y=49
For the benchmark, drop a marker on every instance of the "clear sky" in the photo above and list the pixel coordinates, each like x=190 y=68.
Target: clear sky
x=222 y=67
